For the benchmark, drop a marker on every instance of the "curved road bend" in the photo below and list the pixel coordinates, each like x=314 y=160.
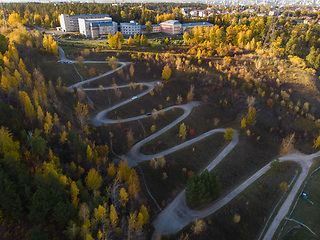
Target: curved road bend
x=177 y=215
x=79 y=84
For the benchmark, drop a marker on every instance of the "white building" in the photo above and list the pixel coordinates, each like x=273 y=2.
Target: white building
x=99 y=27
x=69 y=23
x=131 y=28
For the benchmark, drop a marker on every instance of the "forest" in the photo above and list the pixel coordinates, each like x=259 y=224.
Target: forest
x=58 y=178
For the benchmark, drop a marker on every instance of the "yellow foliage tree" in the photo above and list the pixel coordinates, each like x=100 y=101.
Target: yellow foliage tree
x=93 y=180
x=113 y=217
x=123 y=197
x=26 y=104
x=183 y=131
x=166 y=72
x=48 y=124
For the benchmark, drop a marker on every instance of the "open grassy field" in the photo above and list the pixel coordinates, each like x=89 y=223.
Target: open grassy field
x=245 y=216
x=148 y=102
x=103 y=99
x=202 y=119
x=69 y=73
x=140 y=130
x=245 y=159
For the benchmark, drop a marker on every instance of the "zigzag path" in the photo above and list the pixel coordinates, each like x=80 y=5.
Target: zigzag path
x=177 y=215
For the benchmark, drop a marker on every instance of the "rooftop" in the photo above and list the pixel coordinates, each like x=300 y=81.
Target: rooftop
x=97 y=20
x=173 y=22
x=90 y=15
x=197 y=24
x=131 y=23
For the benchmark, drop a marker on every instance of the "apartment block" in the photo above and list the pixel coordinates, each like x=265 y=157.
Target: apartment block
x=69 y=23
x=100 y=27
x=130 y=29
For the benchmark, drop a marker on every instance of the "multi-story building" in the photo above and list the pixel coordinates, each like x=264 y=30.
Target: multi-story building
x=69 y=23
x=187 y=27
x=155 y=29
x=99 y=27
x=131 y=28
x=171 y=27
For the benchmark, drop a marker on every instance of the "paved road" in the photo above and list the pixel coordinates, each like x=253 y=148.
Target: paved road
x=305 y=162
x=177 y=215
x=79 y=84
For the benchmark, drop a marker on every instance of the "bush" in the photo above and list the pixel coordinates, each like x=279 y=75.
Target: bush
x=202 y=189
x=228 y=134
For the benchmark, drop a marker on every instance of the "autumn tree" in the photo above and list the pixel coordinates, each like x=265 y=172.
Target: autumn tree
x=26 y=105
x=183 y=132
x=143 y=40
x=93 y=180
x=166 y=72
x=316 y=142
x=190 y=93
x=92 y=72
x=123 y=197
x=199 y=226
x=48 y=124
x=287 y=144
x=81 y=112
x=149 y=27
x=8 y=147
x=113 y=217
x=130 y=41
x=228 y=134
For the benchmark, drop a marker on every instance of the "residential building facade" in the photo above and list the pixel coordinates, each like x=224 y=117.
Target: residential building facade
x=130 y=29
x=172 y=27
x=100 y=27
x=155 y=29
x=69 y=23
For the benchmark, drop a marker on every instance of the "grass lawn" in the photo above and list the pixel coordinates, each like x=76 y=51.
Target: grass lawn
x=100 y=68
x=201 y=120
x=52 y=70
x=100 y=98
x=140 y=129
x=245 y=216
x=245 y=159
x=193 y=158
x=147 y=103
x=305 y=212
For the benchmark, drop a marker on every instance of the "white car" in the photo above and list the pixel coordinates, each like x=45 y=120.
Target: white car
x=134 y=97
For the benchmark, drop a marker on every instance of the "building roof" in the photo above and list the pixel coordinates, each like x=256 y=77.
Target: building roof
x=131 y=23
x=102 y=23
x=171 y=22
x=206 y=24
x=97 y=20
x=90 y=15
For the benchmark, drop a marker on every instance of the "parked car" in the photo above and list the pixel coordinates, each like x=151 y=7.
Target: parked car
x=134 y=97
x=148 y=114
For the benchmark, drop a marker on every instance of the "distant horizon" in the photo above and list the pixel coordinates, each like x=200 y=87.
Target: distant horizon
x=213 y=2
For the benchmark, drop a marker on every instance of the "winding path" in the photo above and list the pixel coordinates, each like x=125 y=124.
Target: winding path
x=177 y=215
